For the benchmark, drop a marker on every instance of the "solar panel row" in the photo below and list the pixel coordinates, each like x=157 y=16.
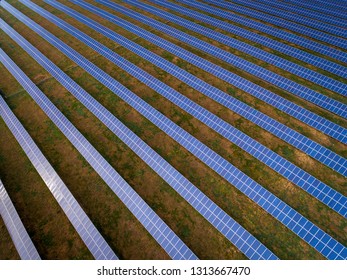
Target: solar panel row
x=282 y=63
x=309 y=32
x=170 y=242
x=258 y=71
x=21 y=240
x=309 y=232
x=279 y=33
x=308 y=13
x=263 y=40
x=250 y=246
x=305 y=144
x=316 y=188
x=321 y=9
x=78 y=218
x=338 y=31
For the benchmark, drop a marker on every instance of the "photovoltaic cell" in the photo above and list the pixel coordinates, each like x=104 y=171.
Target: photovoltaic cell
x=265 y=41
x=215 y=215
x=147 y=217
x=269 y=202
x=335 y=200
x=13 y=223
x=279 y=33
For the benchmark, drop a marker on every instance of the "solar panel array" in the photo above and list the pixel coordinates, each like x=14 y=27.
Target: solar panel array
x=78 y=218
x=282 y=63
x=324 y=10
x=265 y=41
x=335 y=3
x=316 y=188
x=258 y=71
x=21 y=240
x=241 y=238
x=170 y=242
x=289 y=25
x=313 y=235
x=279 y=33
x=338 y=31
x=341 y=5
x=304 y=12
x=313 y=33
x=313 y=149
x=250 y=246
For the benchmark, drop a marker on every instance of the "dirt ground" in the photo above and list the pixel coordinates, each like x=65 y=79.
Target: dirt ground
x=7 y=249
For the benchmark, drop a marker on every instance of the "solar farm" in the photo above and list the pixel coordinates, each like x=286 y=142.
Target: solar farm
x=173 y=129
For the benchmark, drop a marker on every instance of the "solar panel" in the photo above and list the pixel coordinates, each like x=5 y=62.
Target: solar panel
x=298 y=140
x=334 y=200
x=170 y=242
x=78 y=218
x=304 y=12
x=21 y=240
x=279 y=33
x=269 y=76
x=268 y=42
x=338 y=31
x=289 y=25
x=327 y=246
x=250 y=246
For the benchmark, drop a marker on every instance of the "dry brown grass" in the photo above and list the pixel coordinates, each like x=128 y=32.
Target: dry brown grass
x=7 y=249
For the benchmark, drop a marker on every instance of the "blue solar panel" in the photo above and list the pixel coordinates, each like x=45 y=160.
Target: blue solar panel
x=279 y=33
x=338 y=31
x=289 y=25
x=268 y=42
x=21 y=240
x=280 y=130
x=206 y=155
x=306 y=13
x=284 y=83
x=155 y=225
x=328 y=12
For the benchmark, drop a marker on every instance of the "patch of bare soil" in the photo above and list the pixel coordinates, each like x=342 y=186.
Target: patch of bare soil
x=7 y=249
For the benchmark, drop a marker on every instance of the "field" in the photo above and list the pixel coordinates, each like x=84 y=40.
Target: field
x=49 y=228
